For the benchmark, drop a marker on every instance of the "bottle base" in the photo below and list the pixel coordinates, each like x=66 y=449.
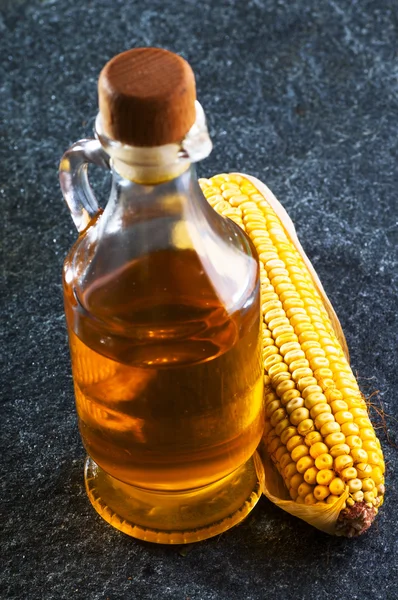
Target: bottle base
x=175 y=517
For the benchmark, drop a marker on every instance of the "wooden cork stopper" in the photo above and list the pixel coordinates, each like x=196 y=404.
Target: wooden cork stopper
x=147 y=97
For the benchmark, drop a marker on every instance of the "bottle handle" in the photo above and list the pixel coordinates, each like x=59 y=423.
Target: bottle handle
x=73 y=178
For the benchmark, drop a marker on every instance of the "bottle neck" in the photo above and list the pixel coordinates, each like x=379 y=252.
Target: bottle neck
x=154 y=165
x=156 y=170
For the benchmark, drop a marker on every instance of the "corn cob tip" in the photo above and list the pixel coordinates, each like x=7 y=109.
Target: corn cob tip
x=355 y=520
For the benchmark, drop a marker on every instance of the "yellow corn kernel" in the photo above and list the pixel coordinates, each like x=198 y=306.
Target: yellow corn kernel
x=311 y=389
x=308 y=335
x=343 y=461
x=297 y=363
x=270 y=435
x=338 y=405
x=270 y=350
x=313 y=437
x=285 y=385
x=305 y=427
x=277 y=377
x=359 y=455
x=359 y=412
x=267 y=428
x=335 y=438
x=278 y=372
x=343 y=416
x=306 y=462
x=286 y=348
x=294 y=441
x=281 y=426
x=370 y=445
x=285 y=460
x=313 y=351
x=367 y=484
x=293 y=404
x=357 y=496
x=354 y=441
x=325 y=476
x=363 y=423
x=367 y=434
x=304 y=382
x=324 y=375
x=349 y=473
x=305 y=489
x=345 y=382
x=294 y=494
x=373 y=457
x=272 y=407
x=274 y=364
x=267 y=380
x=290 y=470
x=277 y=416
x=369 y=497
x=281 y=451
x=337 y=486
x=364 y=470
x=299 y=415
x=299 y=452
x=300 y=373
x=310 y=499
x=270 y=397
x=321 y=492
x=274 y=445
x=377 y=475
x=354 y=485
x=333 y=394
x=332 y=498
x=323 y=461
x=289 y=395
x=314 y=399
x=204 y=184
x=328 y=428
x=317 y=449
x=318 y=362
x=296 y=481
x=319 y=408
x=339 y=450
x=310 y=475
x=288 y=433
x=349 y=429
x=322 y=419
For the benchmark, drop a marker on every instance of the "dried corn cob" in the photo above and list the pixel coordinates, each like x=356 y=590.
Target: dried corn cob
x=317 y=432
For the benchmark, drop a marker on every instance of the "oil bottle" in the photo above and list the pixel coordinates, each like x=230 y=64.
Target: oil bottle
x=162 y=306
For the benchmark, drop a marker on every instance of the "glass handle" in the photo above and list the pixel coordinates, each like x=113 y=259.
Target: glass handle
x=73 y=179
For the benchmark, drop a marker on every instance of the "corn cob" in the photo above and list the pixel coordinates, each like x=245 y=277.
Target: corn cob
x=317 y=431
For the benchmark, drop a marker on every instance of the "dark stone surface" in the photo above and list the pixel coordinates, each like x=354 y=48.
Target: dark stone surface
x=300 y=93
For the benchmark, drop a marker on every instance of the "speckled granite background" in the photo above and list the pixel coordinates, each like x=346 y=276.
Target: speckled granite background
x=304 y=95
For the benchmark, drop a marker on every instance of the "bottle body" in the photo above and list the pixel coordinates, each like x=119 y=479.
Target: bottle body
x=168 y=379
x=179 y=418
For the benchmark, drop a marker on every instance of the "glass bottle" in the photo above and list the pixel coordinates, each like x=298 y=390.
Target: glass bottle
x=163 y=312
